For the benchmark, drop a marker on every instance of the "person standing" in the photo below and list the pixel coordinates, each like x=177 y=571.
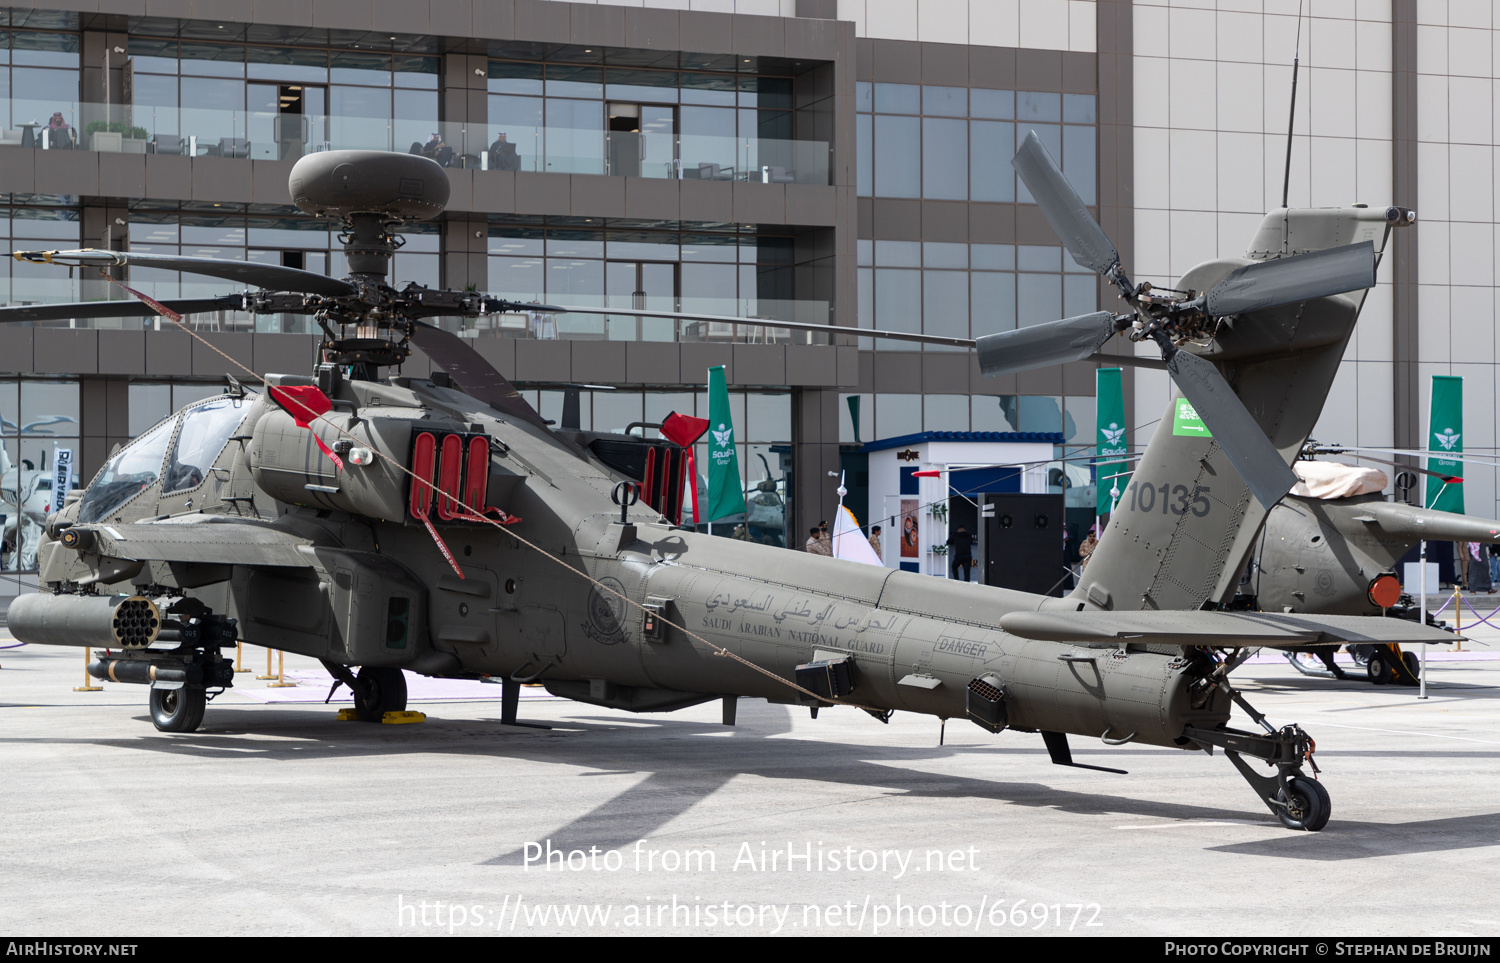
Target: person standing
x=961 y=548
x=1479 y=569
x=816 y=545
x=1086 y=549
x=875 y=542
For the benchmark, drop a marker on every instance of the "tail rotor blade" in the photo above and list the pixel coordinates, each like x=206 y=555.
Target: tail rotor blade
x=1289 y=280
x=1063 y=208
x=1042 y=345
x=1233 y=427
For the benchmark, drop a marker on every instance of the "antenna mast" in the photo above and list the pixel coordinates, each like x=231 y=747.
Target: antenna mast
x=1286 y=178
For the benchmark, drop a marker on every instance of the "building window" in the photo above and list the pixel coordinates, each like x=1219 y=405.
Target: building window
x=566 y=118
x=279 y=102
x=955 y=143
x=966 y=290
x=738 y=275
x=26 y=228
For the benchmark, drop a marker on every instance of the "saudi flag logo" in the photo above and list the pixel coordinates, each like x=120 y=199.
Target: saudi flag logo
x=1185 y=421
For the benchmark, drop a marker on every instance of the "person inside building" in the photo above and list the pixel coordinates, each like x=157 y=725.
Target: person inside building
x=503 y=156
x=817 y=545
x=60 y=134
x=437 y=150
x=875 y=542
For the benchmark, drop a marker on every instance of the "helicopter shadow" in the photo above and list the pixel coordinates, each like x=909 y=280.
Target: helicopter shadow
x=1370 y=840
x=760 y=745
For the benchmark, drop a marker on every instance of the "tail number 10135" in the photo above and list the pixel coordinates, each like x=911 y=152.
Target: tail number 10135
x=1168 y=498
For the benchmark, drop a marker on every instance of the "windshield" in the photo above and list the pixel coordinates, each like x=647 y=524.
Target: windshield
x=127 y=474
x=205 y=432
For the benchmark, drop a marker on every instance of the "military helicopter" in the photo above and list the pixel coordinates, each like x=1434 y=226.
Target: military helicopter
x=1331 y=547
x=441 y=526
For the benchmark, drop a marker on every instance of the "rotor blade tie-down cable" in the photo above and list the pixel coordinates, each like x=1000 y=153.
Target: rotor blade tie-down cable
x=718 y=650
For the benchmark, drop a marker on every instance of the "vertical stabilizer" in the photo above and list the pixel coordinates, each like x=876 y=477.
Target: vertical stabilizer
x=1186 y=522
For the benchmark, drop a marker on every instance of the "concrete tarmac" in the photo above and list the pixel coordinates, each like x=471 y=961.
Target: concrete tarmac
x=276 y=819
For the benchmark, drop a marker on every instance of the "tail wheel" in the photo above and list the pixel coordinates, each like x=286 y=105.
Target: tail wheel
x=1305 y=805
x=1413 y=667
x=1379 y=669
x=378 y=690
x=178 y=710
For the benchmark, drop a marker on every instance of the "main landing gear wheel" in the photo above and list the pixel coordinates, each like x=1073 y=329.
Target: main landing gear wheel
x=1305 y=805
x=378 y=690
x=178 y=710
x=1379 y=669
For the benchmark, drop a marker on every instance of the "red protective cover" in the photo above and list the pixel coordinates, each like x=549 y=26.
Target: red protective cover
x=305 y=403
x=450 y=477
x=683 y=429
x=477 y=480
x=423 y=461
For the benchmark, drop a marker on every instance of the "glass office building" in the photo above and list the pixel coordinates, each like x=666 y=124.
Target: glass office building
x=837 y=161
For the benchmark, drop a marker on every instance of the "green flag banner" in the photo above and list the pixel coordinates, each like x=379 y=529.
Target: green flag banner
x=1445 y=435
x=726 y=495
x=1109 y=411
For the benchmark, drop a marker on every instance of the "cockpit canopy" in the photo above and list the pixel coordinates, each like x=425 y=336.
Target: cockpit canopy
x=177 y=452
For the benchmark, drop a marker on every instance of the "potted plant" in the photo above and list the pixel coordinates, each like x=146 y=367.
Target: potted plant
x=116 y=137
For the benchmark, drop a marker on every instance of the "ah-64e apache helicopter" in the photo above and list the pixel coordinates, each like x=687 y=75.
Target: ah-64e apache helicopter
x=233 y=517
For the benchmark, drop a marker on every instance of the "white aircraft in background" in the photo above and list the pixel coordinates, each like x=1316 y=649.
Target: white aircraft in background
x=25 y=496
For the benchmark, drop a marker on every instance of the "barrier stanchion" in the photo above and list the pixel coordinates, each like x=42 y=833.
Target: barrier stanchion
x=88 y=685
x=280 y=682
x=1458 y=619
x=269 y=674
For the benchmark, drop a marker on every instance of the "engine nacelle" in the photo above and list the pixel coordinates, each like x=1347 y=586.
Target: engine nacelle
x=288 y=465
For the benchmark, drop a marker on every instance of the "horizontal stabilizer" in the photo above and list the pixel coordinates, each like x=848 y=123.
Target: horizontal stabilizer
x=1219 y=629
x=1419 y=523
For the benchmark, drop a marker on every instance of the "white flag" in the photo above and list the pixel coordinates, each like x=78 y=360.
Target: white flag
x=849 y=542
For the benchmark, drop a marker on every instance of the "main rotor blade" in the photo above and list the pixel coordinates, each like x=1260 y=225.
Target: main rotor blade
x=1042 y=345
x=1383 y=461
x=1410 y=452
x=1063 y=208
x=1288 y=280
x=116 y=309
x=472 y=373
x=1233 y=427
x=763 y=323
x=273 y=277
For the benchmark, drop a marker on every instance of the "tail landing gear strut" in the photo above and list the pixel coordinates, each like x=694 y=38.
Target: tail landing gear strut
x=1299 y=802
